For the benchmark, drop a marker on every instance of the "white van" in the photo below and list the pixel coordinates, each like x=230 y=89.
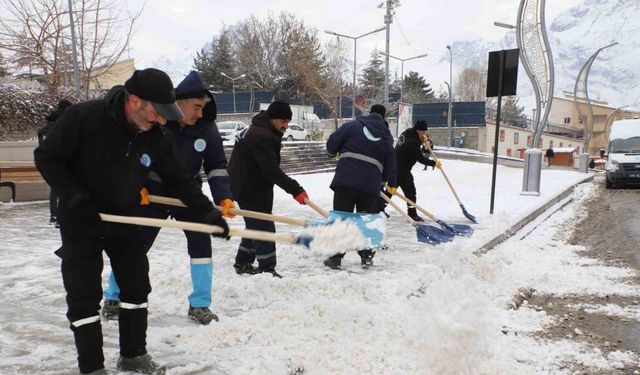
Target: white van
x=623 y=158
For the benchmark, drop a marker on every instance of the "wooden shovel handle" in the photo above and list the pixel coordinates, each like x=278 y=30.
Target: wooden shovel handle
x=446 y=178
x=317 y=208
x=235 y=211
x=394 y=205
x=429 y=214
x=198 y=227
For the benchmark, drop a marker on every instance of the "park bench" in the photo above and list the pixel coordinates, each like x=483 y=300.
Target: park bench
x=12 y=174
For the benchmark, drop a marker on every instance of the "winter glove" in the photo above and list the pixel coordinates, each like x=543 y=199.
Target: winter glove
x=83 y=208
x=438 y=164
x=392 y=190
x=301 y=197
x=214 y=217
x=227 y=204
x=144 y=197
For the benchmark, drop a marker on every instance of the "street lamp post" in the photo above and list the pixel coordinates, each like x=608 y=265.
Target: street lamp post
x=233 y=82
x=355 y=45
x=450 y=86
x=402 y=68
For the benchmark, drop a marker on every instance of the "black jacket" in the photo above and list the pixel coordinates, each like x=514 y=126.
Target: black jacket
x=254 y=166
x=92 y=150
x=408 y=152
x=43 y=132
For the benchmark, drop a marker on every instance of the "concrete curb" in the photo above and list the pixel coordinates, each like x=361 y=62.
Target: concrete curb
x=529 y=218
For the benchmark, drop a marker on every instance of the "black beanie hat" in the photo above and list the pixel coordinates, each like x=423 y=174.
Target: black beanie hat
x=279 y=110
x=421 y=125
x=379 y=109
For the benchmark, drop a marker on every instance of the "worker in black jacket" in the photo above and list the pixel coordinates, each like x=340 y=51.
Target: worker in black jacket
x=43 y=132
x=97 y=158
x=254 y=168
x=407 y=154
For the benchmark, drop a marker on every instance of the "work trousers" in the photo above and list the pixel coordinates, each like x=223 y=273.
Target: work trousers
x=405 y=182
x=250 y=250
x=81 y=254
x=348 y=199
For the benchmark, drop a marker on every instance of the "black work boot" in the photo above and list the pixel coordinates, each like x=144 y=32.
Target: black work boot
x=97 y=372
x=143 y=364
x=366 y=258
x=414 y=215
x=272 y=271
x=111 y=309
x=202 y=315
x=245 y=268
x=333 y=262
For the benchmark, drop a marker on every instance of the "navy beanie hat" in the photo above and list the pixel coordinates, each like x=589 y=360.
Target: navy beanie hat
x=279 y=110
x=421 y=125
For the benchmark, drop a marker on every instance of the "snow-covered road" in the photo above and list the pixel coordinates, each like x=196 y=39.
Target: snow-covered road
x=419 y=310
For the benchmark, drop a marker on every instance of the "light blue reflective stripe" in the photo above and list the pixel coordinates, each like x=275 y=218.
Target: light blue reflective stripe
x=247 y=250
x=366 y=158
x=153 y=176
x=200 y=260
x=89 y=320
x=131 y=306
x=266 y=256
x=217 y=173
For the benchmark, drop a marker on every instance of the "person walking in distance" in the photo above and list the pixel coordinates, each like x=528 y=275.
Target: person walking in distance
x=549 y=155
x=254 y=168
x=43 y=132
x=97 y=158
x=408 y=153
x=199 y=145
x=366 y=163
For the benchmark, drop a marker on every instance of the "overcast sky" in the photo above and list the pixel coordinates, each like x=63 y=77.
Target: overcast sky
x=174 y=30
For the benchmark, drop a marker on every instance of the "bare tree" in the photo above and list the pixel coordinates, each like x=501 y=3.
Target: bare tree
x=36 y=33
x=471 y=85
x=325 y=83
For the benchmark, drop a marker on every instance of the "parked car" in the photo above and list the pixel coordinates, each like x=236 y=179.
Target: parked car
x=296 y=132
x=229 y=130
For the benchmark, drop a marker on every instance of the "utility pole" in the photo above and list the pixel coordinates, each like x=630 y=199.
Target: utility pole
x=387 y=21
x=76 y=69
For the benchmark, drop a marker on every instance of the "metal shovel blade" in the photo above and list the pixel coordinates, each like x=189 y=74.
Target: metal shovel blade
x=431 y=234
x=468 y=215
x=457 y=229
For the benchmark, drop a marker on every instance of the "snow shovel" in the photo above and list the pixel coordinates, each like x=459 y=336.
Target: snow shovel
x=236 y=211
x=458 y=229
x=425 y=233
x=323 y=243
x=370 y=225
x=464 y=210
x=317 y=208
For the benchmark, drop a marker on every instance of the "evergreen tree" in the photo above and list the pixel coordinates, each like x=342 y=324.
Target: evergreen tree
x=223 y=62
x=416 y=89
x=372 y=78
x=512 y=113
x=204 y=63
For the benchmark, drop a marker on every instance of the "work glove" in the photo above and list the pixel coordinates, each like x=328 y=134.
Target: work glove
x=83 y=208
x=392 y=190
x=227 y=204
x=214 y=217
x=438 y=164
x=144 y=197
x=301 y=197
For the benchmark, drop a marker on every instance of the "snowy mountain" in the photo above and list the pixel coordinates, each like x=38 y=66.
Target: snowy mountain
x=575 y=35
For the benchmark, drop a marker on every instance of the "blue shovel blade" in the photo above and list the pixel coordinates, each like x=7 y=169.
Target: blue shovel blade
x=372 y=226
x=457 y=229
x=432 y=235
x=304 y=241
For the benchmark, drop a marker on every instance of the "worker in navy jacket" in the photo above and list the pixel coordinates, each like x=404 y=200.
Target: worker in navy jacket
x=408 y=153
x=199 y=145
x=364 y=148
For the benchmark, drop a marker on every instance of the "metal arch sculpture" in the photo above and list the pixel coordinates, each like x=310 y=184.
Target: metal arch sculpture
x=609 y=121
x=537 y=60
x=582 y=87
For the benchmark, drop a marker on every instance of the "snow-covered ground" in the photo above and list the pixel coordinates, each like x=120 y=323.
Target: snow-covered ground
x=419 y=310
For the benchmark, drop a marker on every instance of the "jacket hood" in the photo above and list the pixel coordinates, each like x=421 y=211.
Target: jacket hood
x=375 y=125
x=114 y=103
x=53 y=116
x=191 y=86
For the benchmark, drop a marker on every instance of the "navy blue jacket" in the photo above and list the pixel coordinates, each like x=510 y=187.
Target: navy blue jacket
x=199 y=145
x=366 y=158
